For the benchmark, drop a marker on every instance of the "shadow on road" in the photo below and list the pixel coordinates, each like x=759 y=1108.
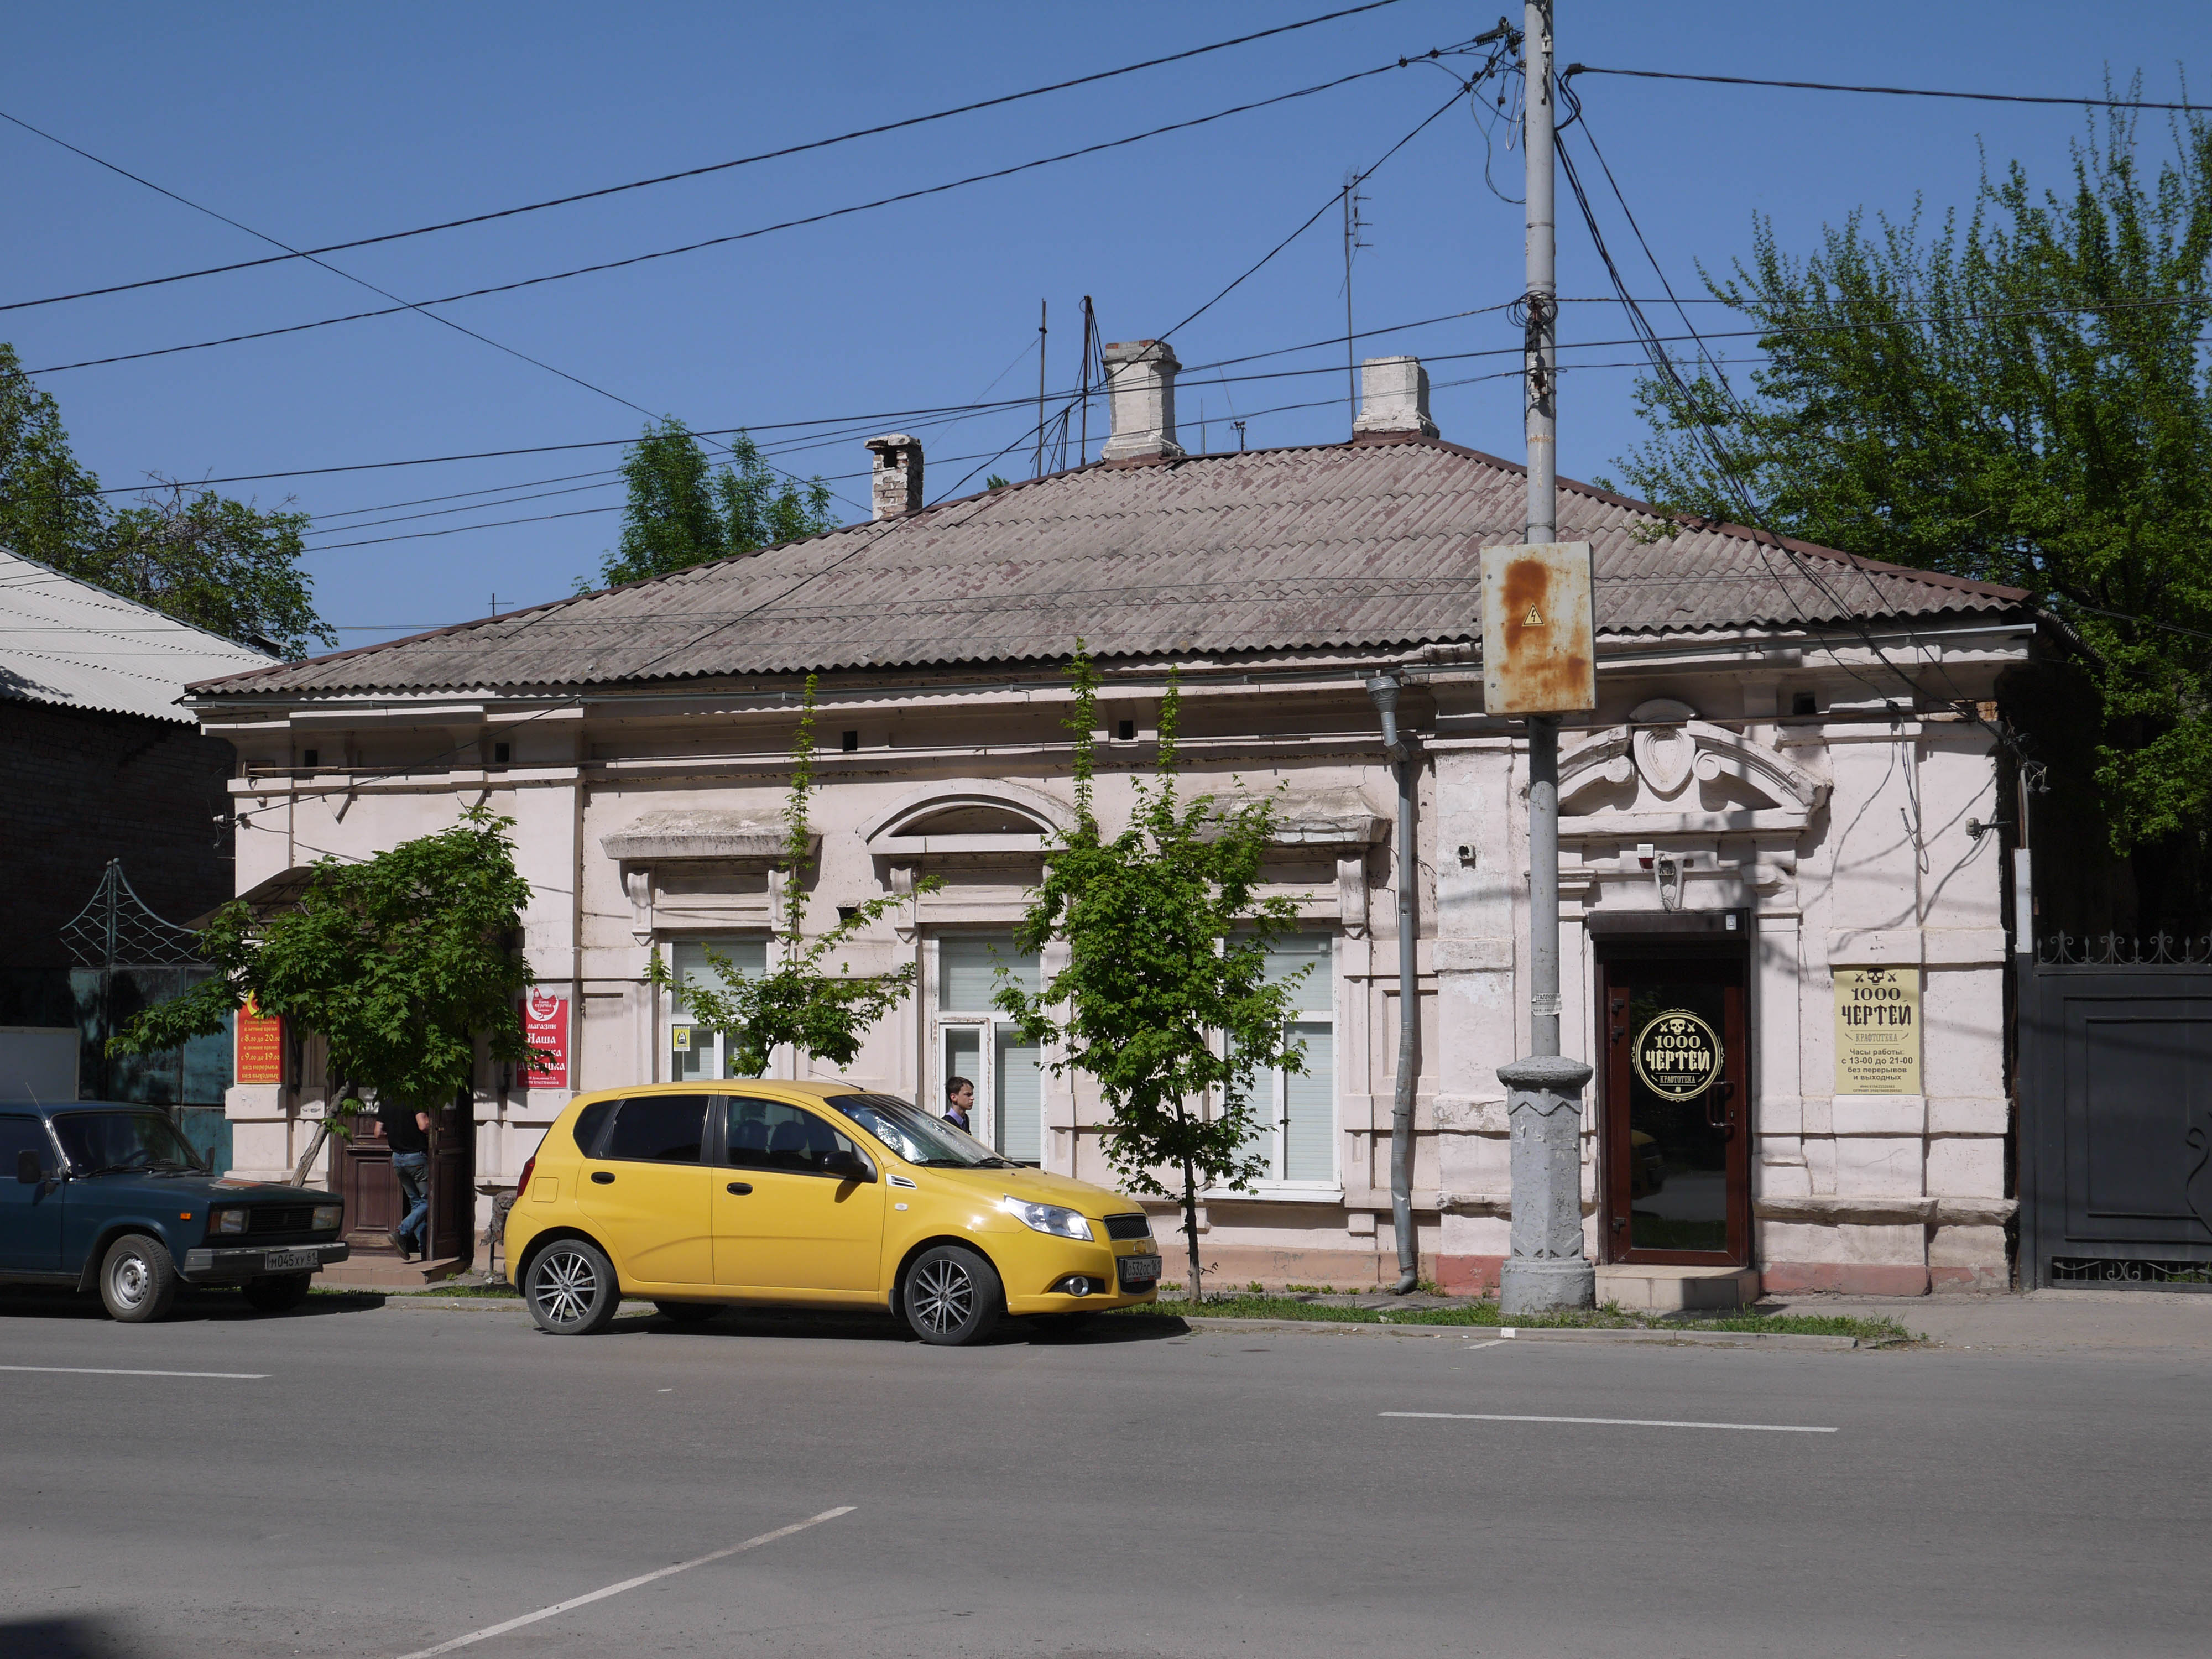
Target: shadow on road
x=1100 y=1331
x=63 y=1639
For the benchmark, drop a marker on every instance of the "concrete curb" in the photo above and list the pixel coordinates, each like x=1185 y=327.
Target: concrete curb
x=1340 y=1327
x=1526 y=1334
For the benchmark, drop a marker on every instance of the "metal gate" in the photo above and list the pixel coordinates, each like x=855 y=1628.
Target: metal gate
x=2115 y=1076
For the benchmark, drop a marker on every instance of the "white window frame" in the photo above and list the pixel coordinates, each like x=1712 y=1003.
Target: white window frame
x=670 y=1017
x=986 y=1024
x=1275 y=1185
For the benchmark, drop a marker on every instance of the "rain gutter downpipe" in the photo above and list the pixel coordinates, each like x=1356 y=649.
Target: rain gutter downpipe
x=1401 y=745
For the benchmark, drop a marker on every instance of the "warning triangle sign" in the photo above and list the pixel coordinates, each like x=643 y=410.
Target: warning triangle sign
x=1534 y=620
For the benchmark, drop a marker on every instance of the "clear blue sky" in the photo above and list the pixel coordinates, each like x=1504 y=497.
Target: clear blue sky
x=321 y=124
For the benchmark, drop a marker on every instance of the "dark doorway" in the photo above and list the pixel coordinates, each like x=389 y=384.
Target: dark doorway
x=1676 y=1090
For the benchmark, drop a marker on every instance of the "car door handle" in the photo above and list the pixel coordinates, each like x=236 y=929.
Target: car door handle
x=740 y=1188
x=604 y=1177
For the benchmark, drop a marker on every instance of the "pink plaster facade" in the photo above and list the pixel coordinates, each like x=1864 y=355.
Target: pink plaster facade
x=649 y=820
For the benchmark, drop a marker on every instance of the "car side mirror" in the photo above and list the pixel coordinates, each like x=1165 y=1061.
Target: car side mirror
x=28 y=1169
x=846 y=1166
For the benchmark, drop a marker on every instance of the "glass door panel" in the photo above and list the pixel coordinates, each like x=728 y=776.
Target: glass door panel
x=1309 y=1108
x=1017 y=1097
x=1677 y=1159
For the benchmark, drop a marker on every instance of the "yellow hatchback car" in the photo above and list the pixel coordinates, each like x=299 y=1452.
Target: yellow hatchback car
x=701 y=1195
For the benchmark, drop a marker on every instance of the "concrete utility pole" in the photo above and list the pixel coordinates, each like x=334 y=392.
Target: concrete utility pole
x=1547 y=1269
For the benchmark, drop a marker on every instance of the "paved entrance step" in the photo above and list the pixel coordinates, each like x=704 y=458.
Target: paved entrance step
x=1651 y=1287
x=388 y=1272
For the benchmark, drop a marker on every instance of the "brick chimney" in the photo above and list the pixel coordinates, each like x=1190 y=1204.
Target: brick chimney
x=897 y=487
x=1394 y=397
x=1140 y=378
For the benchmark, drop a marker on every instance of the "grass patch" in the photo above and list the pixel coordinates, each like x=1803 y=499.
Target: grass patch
x=1487 y=1314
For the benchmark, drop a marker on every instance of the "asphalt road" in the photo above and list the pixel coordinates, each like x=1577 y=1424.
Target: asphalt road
x=393 y=1478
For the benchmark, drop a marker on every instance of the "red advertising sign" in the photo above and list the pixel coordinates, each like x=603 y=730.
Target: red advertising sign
x=260 y=1046
x=545 y=1023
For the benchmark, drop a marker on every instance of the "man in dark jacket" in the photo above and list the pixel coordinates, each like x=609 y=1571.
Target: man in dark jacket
x=408 y=1133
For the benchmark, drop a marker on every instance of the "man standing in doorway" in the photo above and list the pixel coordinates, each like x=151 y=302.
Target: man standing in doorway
x=408 y=1133
x=959 y=1101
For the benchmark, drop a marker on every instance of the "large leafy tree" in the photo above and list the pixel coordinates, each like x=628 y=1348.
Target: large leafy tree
x=2020 y=396
x=1167 y=999
x=683 y=511
x=800 y=1001
x=221 y=564
x=403 y=964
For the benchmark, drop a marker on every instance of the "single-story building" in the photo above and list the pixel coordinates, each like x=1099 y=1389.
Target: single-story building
x=1774 y=882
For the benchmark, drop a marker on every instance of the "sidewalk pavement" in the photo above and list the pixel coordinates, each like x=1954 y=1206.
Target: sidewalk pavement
x=2156 y=1322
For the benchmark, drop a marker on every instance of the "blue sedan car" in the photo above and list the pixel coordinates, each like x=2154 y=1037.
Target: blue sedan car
x=95 y=1195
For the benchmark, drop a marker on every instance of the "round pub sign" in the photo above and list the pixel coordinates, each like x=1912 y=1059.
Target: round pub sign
x=1678 y=1055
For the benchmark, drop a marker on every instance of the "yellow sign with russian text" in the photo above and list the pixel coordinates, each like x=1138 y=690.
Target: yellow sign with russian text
x=1877 y=1031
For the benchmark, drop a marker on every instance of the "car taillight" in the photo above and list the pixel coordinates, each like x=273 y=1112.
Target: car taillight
x=523 y=1185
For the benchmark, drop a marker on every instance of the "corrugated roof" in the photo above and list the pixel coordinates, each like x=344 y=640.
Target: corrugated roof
x=69 y=642
x=1364 y=544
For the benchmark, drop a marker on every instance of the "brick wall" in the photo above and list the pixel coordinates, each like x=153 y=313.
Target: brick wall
x=79 y=787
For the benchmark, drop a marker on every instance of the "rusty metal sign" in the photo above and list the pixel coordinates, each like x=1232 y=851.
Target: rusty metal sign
x=1539 y=629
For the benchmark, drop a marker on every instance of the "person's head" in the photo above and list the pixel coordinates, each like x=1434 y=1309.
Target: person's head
x=960 y=1094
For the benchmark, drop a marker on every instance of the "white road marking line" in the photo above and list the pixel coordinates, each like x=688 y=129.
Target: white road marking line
x=109 y=1371
x=491 y=1630
x=1493 y=1343
x=1621 y=1422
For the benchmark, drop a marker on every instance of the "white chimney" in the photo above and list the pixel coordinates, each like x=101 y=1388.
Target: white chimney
x=1394 y=397
x=1140 y=378
x=897 y=486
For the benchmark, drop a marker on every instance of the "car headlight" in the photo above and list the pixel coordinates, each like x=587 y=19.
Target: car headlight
x=1046 y=1218
x=227 y=1221
x=327 y=1217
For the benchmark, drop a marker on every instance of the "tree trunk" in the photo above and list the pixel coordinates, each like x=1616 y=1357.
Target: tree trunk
x=1190 y=1226
x=315 y=1151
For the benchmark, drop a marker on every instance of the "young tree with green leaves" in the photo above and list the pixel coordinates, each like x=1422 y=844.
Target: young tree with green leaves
x=1166 y=1000
x=221 y=564
x=796 y=1002
x=402 y=964
x=682 y=511
x=2022 y=398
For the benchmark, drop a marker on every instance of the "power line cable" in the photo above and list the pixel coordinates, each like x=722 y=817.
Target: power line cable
x=699 y=172
x=745 y=236
x=358 y=282
x=1573 y=69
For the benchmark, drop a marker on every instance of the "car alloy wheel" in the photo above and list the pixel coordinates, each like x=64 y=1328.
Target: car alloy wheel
x=952 y=1296
x=570 y=1288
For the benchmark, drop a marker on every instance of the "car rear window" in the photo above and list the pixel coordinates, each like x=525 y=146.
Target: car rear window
x=589 y=1121
x=658 y=1129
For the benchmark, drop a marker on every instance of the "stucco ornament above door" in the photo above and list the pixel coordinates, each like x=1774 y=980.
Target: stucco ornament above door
x=1665 y=753
x=1667 y=772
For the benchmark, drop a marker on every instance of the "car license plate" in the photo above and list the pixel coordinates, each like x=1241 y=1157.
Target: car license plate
x=1139 y=1270
x=290 y=1261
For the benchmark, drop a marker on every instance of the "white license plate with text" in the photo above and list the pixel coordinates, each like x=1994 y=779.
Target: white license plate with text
x=291 y=1261
x=1139 y=1269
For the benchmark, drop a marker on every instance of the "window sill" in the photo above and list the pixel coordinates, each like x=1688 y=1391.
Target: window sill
x=1277 y=1192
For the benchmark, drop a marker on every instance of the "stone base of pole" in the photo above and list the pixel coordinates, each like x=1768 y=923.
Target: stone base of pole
x=1546 y=1270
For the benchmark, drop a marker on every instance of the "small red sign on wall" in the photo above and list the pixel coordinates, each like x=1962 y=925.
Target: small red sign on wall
x=545 y=1023
x=260 y=1046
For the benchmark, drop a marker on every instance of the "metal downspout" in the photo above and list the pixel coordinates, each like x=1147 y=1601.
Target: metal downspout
x=1384 y=689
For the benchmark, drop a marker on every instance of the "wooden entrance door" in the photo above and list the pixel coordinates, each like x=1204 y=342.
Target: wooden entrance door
x=1677 y=1097
x=363 y=1176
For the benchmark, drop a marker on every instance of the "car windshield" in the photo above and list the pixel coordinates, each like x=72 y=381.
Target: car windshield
x=99 y=1141
x=916 y=1136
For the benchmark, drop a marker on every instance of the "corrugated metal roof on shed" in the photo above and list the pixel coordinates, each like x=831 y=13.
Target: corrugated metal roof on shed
x=68 y=642
x=1364 y=544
